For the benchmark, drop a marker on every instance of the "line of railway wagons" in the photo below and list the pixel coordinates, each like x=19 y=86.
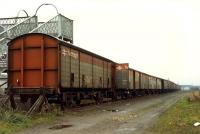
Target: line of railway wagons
x=41 y=64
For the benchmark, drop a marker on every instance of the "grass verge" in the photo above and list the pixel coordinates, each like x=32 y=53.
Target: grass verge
x=13 y=121
x=179 y=119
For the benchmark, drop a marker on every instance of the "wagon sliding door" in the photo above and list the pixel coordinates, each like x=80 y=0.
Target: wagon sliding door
x=69 y=68
x=97 y=73
x=85 y=71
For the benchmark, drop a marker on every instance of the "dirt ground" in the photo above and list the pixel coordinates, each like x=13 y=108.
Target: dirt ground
x=122 y=117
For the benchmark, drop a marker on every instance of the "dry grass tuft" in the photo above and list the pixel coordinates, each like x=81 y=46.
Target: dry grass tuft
x=179 y=118
x=13 y=121
x=194 y=96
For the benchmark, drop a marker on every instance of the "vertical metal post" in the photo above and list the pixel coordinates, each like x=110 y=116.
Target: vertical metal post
x=42 y=61
x=59 y=66
x=22 y=63
x=72 y=32
x=70 y=69
x=36 y=21
x=103 y=76
x=59 y=25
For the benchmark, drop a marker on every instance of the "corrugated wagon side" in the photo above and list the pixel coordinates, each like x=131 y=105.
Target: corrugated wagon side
x=39 y=63
x=84 y=75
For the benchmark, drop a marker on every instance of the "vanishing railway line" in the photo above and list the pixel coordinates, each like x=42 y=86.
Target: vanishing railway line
x=44 y=66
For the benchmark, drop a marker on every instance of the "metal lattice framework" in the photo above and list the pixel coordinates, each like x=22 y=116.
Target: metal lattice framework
x=59 y=26
x=13 y=31
x=49 y=27
x=3 y=60
x=9 y=22
x=1 y=28
x=66 y=28
x=18 y=29
x=21 y=28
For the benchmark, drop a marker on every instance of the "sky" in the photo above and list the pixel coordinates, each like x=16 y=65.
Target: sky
x=158 y=37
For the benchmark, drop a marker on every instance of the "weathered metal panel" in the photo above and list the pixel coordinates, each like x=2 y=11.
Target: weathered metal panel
x=69 y=67
x=137 y=80
x=152 y=82
x=74 y=75
x=166 y=84
x=147 y=82
x=131 y=79
x=122 y=76
x=122 y=79
x=14 y=63
x=97 y=73
x=170 y=85
x=109 y=75
x=122 y=66
x=85 y=71
x=144 y=81
x=159 y=84
x=105 y=74
x=65 y=67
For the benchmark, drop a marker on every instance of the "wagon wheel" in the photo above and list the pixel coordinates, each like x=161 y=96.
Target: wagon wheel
x=99 y=97
x=78 y=102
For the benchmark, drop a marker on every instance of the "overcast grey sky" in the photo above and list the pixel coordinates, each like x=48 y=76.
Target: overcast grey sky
x=159 y=37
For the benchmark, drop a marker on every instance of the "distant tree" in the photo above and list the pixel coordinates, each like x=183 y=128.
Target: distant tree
x=194 y=88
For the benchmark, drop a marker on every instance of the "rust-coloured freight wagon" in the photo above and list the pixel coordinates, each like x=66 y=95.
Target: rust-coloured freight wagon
x=41 y=63
x=130 y=82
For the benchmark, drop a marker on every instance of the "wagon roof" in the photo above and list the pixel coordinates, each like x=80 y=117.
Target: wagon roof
x=64 y=43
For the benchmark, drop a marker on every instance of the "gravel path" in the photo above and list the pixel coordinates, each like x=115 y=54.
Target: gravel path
x=122 y=117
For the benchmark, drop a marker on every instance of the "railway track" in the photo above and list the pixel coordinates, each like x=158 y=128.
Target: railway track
x=84 y=102
x=5 y=102
x=88 y=102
